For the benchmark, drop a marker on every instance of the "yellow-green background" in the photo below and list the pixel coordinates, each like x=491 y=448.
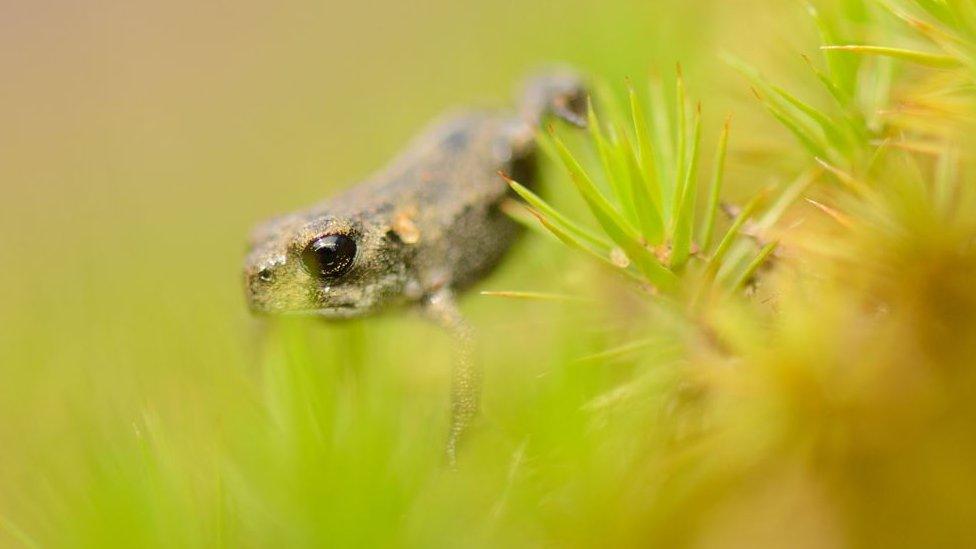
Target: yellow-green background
x=139 y=141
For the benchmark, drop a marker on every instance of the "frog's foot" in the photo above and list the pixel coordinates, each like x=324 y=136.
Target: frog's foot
x=559 y=92
x=441 y=307
x=570 y=105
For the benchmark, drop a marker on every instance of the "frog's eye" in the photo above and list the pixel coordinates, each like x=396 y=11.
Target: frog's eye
x=329 y=256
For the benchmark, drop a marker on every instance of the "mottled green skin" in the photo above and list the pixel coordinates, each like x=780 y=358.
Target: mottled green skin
x=445 y=190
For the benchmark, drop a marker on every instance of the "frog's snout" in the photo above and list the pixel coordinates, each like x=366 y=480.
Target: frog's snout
x=258 y=283
x=262 y=277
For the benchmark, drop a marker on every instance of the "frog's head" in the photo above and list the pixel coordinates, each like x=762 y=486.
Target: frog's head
x=325 y=265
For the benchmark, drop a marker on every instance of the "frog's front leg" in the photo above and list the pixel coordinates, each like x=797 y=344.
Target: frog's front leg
x=441 y=307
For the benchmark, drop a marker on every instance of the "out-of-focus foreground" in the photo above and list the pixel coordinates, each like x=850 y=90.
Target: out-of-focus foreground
x=830 y=403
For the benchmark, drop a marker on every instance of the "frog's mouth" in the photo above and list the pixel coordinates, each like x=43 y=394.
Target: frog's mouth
x=339 y=310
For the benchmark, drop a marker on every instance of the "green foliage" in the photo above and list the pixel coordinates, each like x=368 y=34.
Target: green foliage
x=647 y=206
x=767 y=340
x=823 y=383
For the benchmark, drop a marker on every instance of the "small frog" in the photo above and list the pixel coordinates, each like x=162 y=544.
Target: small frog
x=420 y=230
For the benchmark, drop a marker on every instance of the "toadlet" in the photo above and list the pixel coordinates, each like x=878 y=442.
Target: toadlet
x=418 y=231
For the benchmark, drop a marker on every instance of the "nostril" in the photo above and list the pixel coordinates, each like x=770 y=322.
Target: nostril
x=265 y=275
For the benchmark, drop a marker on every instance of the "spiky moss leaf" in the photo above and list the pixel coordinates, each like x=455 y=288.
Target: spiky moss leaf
x=557 y=218
x=618 y=352
x=843 y=69
x=771 y=215
x=845 y=138
x=764 y=254
x=787 y=198
x=844 y=99
x=685 y=220
x=716 y=261
x=682 y=144
x=852 y=117
x=612 y=169
x=948 y=39
x=541 y=223
x=934 y=60
x=813 y=143
x=570 y=240
x=665 y=145
x=645 y=152
x=836 y=135
x=860 y=188
x=614 y=224
x=648 y=210
x=715 y=188
x=840 y=218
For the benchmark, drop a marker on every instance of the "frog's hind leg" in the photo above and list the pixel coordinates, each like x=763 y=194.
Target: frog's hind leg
x=441 y=307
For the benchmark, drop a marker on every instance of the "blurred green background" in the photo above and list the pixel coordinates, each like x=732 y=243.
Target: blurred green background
x=140 y=404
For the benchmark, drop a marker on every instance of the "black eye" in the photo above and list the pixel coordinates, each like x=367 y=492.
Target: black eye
x=329 y=256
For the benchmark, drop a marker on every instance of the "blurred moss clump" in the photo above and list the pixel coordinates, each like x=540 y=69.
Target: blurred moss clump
x=797 y=371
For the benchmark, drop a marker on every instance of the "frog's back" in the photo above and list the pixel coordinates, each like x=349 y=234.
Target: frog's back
x=448 y=185
x=453 y=163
